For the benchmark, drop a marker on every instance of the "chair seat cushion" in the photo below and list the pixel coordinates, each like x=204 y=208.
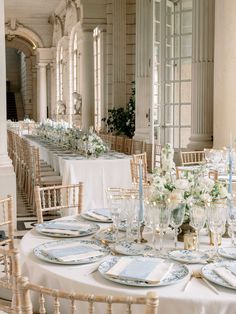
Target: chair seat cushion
x=51 y=180
x=48 y=174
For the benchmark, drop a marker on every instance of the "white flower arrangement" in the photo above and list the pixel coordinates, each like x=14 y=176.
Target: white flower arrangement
x=61 y=133
x=194 y=188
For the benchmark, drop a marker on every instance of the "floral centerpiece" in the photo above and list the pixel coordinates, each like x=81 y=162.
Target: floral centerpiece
x=61 y=133
x=195 y=187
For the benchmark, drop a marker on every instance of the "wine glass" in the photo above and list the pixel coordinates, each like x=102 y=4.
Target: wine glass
x=164 y=221
x=114 y=200
x=176 y=219
x=216 y=221
x=152 y=218
x=197 y=219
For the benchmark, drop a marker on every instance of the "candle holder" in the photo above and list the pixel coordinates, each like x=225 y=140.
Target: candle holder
x=140 y=238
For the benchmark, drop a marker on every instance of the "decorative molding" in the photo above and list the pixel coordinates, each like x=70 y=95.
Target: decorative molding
x=14 y=28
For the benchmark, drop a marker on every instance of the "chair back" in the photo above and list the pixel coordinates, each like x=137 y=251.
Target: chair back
x=137 y=147
x=57 y=198
x=149 y=302
x=120 y=144
x=128 y=146
x=9 y=258
x=192 y=158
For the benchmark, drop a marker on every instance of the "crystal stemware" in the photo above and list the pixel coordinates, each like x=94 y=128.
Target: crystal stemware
x=152 y=219
x=216 y=216
x=164 y=221
x=176 y=219
x=197 y=219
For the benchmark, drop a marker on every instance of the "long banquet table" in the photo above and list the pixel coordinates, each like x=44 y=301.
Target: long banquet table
x=98 y=174
x=197 y=299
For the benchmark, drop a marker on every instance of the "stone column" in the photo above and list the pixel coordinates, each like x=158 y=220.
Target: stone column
x=42 y=92
x=225 y=73
x=143 y=77
x=34 y=92
x=202 y=74
x=7 y=175
x=119 y=52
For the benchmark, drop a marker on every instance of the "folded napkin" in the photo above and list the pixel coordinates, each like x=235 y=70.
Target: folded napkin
x=226 y=274
x=100 y=214
x=72 y=226
x=148 y=271
x=59 y=231
x=67 y=254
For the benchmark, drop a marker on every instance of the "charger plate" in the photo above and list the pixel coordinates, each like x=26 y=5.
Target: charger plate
x=229 y=252
x=188 y=256
x=39 y=251
x=177 y=272
x=82 y=228
x=208 y=272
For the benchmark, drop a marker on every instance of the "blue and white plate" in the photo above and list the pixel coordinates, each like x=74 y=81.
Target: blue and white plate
x=98 y=215
x=176 y=273
x=132 y=248
x=107 y=236
x=45 y=250
x=72 y=228
x=229 y=252
x=187 y=256
x=209 y=273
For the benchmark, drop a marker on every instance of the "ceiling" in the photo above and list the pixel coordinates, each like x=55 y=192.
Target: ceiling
x=30 y=8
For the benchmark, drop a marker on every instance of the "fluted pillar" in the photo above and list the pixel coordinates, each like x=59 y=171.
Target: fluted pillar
x=225 y=73
x=202 y=74
x=7 y=175
x=119 y=52
x=143 y=78
x=42 y=91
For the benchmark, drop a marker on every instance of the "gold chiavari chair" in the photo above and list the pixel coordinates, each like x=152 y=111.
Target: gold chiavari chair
x=137 y=147
x=9 y=258
x=120 y=144
x=58 y=198
x=127 y=146
x=148 y=149
x=192 y=158
x=111 y=139
x=150 y=302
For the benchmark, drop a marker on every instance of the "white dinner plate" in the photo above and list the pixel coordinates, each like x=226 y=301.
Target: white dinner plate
x=188 y=256
x=177 y=272
x=209 y=273
x=132 y=248
x=229 y=252
x=78 y=228
x=95 y=245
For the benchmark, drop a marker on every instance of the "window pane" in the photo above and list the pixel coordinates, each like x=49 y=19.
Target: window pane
x=186 y=22
x=169 y=115
x=176 y=138
x=185 y=115
x=157 y=32
x=185 y=92
x=187 y=4
x=186 y=46
x=176 y=44
x=176 y=115
x=177 y=24
x=157 y=11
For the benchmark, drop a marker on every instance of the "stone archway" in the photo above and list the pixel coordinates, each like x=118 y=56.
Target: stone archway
x=25 y=43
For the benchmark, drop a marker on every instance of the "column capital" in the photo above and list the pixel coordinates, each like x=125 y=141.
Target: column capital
x=41 y=65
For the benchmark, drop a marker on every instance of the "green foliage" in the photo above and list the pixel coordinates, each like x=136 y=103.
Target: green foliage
x=121 y=121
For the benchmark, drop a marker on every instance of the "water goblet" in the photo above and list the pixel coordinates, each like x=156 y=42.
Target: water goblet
x=216 y=216
x=152 y=218
x=197 y=220
x=176 y=219
x=164 y=221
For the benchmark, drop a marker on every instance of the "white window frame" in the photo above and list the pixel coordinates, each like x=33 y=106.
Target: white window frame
x=167 y=123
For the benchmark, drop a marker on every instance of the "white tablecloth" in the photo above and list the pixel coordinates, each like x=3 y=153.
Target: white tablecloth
x=98 y=174
x=197 y=299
